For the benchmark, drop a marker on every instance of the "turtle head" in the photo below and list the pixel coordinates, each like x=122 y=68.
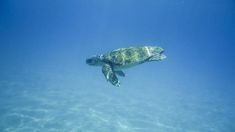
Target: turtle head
x=95 y=60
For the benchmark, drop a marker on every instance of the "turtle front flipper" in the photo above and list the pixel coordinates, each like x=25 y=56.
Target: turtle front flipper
x=110 y=75
x=120 y=73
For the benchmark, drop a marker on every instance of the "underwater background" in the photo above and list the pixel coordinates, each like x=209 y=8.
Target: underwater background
x=46 y=86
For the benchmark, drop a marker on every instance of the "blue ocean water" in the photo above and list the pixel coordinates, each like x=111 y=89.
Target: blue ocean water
x=46 y=86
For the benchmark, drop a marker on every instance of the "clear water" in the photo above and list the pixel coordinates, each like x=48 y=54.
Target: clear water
x=45 y=85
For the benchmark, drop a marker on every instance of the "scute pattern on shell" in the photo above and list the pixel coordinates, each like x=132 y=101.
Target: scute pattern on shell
x=128 y=56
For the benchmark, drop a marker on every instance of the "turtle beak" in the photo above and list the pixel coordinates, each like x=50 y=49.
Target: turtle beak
x=89 y=61
x=93 y=61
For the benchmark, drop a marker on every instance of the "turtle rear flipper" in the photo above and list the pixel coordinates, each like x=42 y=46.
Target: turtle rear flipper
x=110 y=75
x=157 y=57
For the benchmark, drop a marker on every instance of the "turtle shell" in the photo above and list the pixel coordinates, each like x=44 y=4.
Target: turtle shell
x=130 y=56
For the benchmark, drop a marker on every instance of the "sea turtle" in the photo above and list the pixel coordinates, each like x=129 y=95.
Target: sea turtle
x=113 y=62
